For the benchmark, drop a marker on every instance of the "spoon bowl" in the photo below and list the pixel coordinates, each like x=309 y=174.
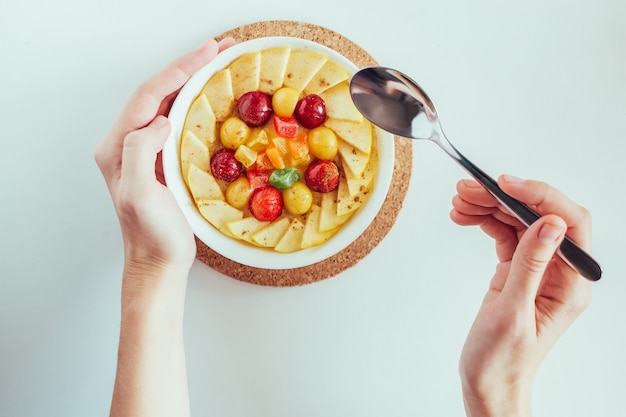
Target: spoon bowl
x=395 y=103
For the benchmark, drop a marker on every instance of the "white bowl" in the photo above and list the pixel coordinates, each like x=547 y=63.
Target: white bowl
x=242 y=252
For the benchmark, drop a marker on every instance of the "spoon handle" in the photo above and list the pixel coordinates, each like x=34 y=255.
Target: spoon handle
x=569 y=251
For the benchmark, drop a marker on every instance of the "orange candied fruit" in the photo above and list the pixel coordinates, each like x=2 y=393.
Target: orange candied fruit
x=275 y=157
x=298 y=147
x=263 y=162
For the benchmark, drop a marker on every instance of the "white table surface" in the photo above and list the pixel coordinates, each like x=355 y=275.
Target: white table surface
x=536 y=89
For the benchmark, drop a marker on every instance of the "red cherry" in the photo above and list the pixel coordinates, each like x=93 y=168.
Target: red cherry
x=322 y=176
x=311 y=111
x=255 y=108
x=266 y=203
x=224 y=166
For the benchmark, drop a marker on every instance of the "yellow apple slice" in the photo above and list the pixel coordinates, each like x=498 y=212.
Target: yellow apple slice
x=301 y=67
x=328 y=76
x=201 y=120
x=358 y=135
x=312 y=235
x=329 y=219
x=292 y=239
x=273 y=66
x=245 y=228
x=365 y=181
x=346 y=203
x=270 y=235
x=203 y=185
x=355 y=160
x=219 y=91
x=244 y=72
x=339 y=104
x=218 y=212
x=193 y=152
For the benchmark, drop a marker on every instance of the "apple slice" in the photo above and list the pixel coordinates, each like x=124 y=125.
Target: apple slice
x=203 y=185
x=292 y=239
x=301 y=67
x=328 y=76
x=270 y=235
x=355 y=160
x=245 y=228
x=358 y=135
x=244 y=72
x=218 y=212
x=312 y=235
x=365 y=181
x=201 y=120
x=219 y=91
x=329 y=219
x=339 y=104
x=273 y=66
x=346 y=203
x=193 y=152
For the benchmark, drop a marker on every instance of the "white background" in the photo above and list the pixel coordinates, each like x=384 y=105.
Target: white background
x=532 y=88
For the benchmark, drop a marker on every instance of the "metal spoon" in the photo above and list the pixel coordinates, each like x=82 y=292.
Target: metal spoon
x=397 y=104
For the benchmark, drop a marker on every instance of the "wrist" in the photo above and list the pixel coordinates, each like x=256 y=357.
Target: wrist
x=497 y=402
x=145 y=284
x=152 y=256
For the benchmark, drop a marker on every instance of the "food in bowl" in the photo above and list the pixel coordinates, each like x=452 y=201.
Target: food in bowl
x=272 y=153
x=275 y=153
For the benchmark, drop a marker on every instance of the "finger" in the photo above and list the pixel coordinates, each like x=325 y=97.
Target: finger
x=474 y=193
x=534 y=252
x=139 y=154
x=548 y=200
x=504 y=216
x=468 y=208
x=146 y=101
x=168 y=101
x=226 y=43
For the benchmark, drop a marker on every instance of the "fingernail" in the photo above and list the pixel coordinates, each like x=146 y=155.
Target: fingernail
x=512 y=179
x=551 y=232
x=226 y=41
x=471 y=184
x=159 y=122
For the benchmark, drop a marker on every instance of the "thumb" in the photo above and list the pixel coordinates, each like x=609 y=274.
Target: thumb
x=140 y=151
x=532 y=256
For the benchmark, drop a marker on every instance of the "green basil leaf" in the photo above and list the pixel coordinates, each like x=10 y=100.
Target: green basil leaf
x=284 y=178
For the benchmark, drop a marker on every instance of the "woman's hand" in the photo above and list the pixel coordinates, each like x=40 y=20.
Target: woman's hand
x=159 y=247
x=532 y=299
x=155 y=233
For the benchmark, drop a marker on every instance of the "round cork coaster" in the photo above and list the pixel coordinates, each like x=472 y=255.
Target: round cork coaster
x=388 y=213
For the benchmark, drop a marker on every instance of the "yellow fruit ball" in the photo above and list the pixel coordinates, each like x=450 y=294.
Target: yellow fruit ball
x=238 y=192
x=284 y=101
x=234 y=132
x=323 y=143
x=297 y=199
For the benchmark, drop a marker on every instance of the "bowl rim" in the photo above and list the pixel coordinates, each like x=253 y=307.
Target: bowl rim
x=240 y=251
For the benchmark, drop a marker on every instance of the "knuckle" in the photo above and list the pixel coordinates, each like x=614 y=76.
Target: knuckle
x=100 y=155
x=145 y=88
x=128 y=203
x=585 y=215
x=131 y=139
x=533 y=264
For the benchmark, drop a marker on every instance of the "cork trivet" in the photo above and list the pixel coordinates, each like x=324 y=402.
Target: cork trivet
x=388 y=213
